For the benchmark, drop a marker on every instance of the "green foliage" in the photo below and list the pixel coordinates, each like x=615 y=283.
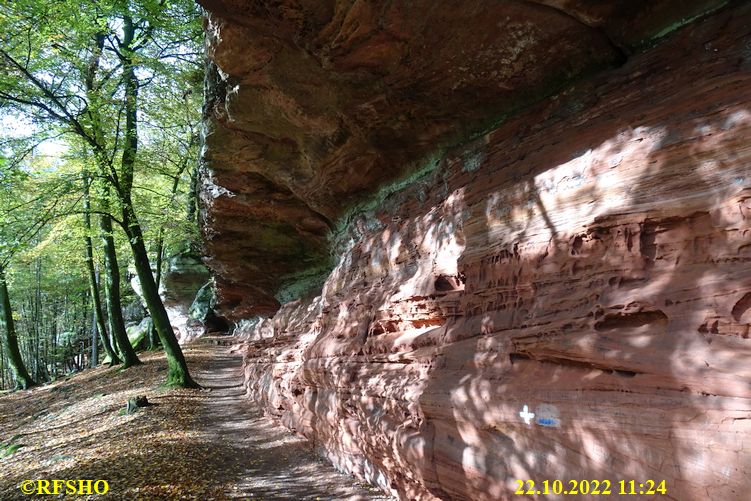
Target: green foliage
x=61 y=70
x=63 y=83
x=29 y=199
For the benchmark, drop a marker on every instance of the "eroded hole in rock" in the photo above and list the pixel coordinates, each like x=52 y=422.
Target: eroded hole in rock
x=445 y=283
x=626 y=374
x=576 y=245
x=741 y=307
x=515 y=357
x=217 y=324
x=629 y=320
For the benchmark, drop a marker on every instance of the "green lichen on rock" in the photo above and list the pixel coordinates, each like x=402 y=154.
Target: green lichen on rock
x=303 y=283
x=358 y=220
x=364 y=211
x=709 y=7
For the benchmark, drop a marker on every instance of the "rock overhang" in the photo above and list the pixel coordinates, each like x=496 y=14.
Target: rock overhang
x=314 y=106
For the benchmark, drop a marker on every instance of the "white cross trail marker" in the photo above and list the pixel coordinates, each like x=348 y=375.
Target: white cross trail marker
x=526 y=415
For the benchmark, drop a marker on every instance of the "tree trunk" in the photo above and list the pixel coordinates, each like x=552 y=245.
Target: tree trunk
x=159 y=257
x=2 y=365
x=153 y=336
x=37 y=318
x=112 y=291
x=95 y=298
x=94 y=343
x=178 y=368
x=193 y=195
x=23 y=380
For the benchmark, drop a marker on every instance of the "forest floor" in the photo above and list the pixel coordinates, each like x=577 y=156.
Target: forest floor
x=192 y=444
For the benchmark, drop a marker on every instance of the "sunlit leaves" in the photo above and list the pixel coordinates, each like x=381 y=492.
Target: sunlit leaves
x=63 y=75
x=46 y=58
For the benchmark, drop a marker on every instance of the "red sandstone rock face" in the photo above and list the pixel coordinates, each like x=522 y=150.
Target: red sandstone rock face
x=588 y=261
x=315 y=104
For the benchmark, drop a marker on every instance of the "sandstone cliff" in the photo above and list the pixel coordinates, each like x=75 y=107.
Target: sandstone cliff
x=567 y=296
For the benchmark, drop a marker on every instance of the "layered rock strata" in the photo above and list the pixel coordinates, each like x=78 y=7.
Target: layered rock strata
x=314 y=105
x=566 y=297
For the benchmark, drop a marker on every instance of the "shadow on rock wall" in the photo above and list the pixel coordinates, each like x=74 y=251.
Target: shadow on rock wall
x=606 y=333
x=566 y=299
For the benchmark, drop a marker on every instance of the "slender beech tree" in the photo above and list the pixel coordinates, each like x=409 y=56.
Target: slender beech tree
x=96 y=301
x=112 y=287
x=112 y=298
x=128 y=47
